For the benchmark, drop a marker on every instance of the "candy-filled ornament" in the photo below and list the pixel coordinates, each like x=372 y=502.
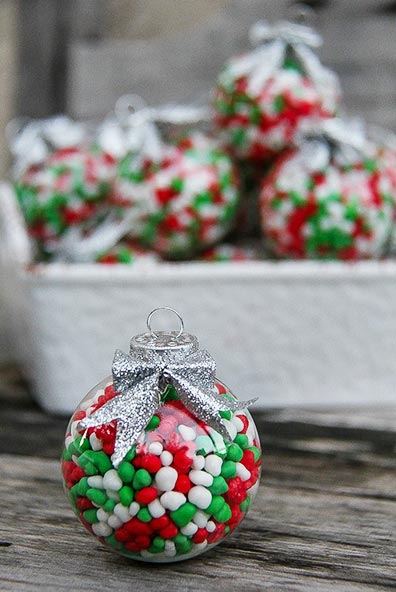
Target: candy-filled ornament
x=263 y=97
x=331 y=198
x=161 y=461
x=69 y=190
x=188 y=188
x=60 y=181
x=127 y=252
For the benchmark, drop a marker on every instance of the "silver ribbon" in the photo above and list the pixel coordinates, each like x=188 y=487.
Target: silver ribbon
x=272 y=43
x=142 y=376
x=31 y=141
x=343 y=140
x=132 y=127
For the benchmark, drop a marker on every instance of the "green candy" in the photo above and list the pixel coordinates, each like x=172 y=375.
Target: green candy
x=131 y=454
x=126 y=495
x=90 y=516
x=144 y=515
x=112 y=541
x=97 y=496
x=234 y=452
x=89 y=468
x=99 y=459
x=153 y=423
x=184 y=514
x=109 y=505
x=126 y=472
x=228 y=469
x=79 y=445
x=66 y=455
x=242 y=440
x=158 y=545
x=244 y=506
x=82 y=486
x=224 y=514
x=216 y=504
x=182 y=543
x=219 y=486
x=204 y=444
x=141 y=479
x=256 y=452
x=225 y=415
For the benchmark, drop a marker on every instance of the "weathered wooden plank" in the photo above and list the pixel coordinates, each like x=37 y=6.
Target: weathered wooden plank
x=295 y=538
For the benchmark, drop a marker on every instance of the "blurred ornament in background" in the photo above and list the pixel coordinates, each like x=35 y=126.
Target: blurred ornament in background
x=264 y=96
x=333 y=197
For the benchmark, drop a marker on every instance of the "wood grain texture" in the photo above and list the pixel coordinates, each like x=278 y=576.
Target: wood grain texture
x=324 y=518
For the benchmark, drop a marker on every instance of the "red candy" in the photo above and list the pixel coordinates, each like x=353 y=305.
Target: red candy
x=169 y=532
x=146 y=495
x=151 y=463
x=183 y=484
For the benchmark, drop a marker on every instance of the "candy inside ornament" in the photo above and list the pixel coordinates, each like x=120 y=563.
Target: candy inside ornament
x=161 y=461
x=263 y=97
x=190 y=191
x=67 y=190
x=332 y=198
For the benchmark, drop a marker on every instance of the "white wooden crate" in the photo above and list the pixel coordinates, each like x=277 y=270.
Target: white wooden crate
x=305 y=333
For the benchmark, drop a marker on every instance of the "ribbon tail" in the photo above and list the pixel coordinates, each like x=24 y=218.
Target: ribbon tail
x=132 y=410
x=325 y=81
x=264 y=62
x=204 y=405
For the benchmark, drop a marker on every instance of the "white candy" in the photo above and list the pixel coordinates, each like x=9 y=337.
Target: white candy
x=102 y=529
x=188 y=434
x=96 y=481
x=166 y=478
x=112 y=481
x=198 y=462
x=166 y=458
x=213 y=464
x=172 y=500
x=201 y=478
x=112 y=495
x=156 y=509
x=114 y=521
x=122 y=512
x=210 y=526
x=68 y=441
x=156 y=448
x=200 y=497
x=242 y=472
x=75 y=459
x=200 y=546
x=134 y=508
x=102 y=515
x=74 y=428
x=170 y=549
x=201 y=518
x=231 y=429
x=238 y=423
x=96 y=444
x=189 y=529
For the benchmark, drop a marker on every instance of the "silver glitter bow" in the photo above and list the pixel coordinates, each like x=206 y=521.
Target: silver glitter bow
x=132 y=128
x=142 y=376
x=341 y=139
x=273 y=43
x=31 y=141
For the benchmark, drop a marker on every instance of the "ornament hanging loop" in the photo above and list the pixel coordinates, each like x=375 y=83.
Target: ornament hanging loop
x=153 y=312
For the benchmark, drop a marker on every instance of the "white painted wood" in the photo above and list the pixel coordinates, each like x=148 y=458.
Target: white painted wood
x=306 y=333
